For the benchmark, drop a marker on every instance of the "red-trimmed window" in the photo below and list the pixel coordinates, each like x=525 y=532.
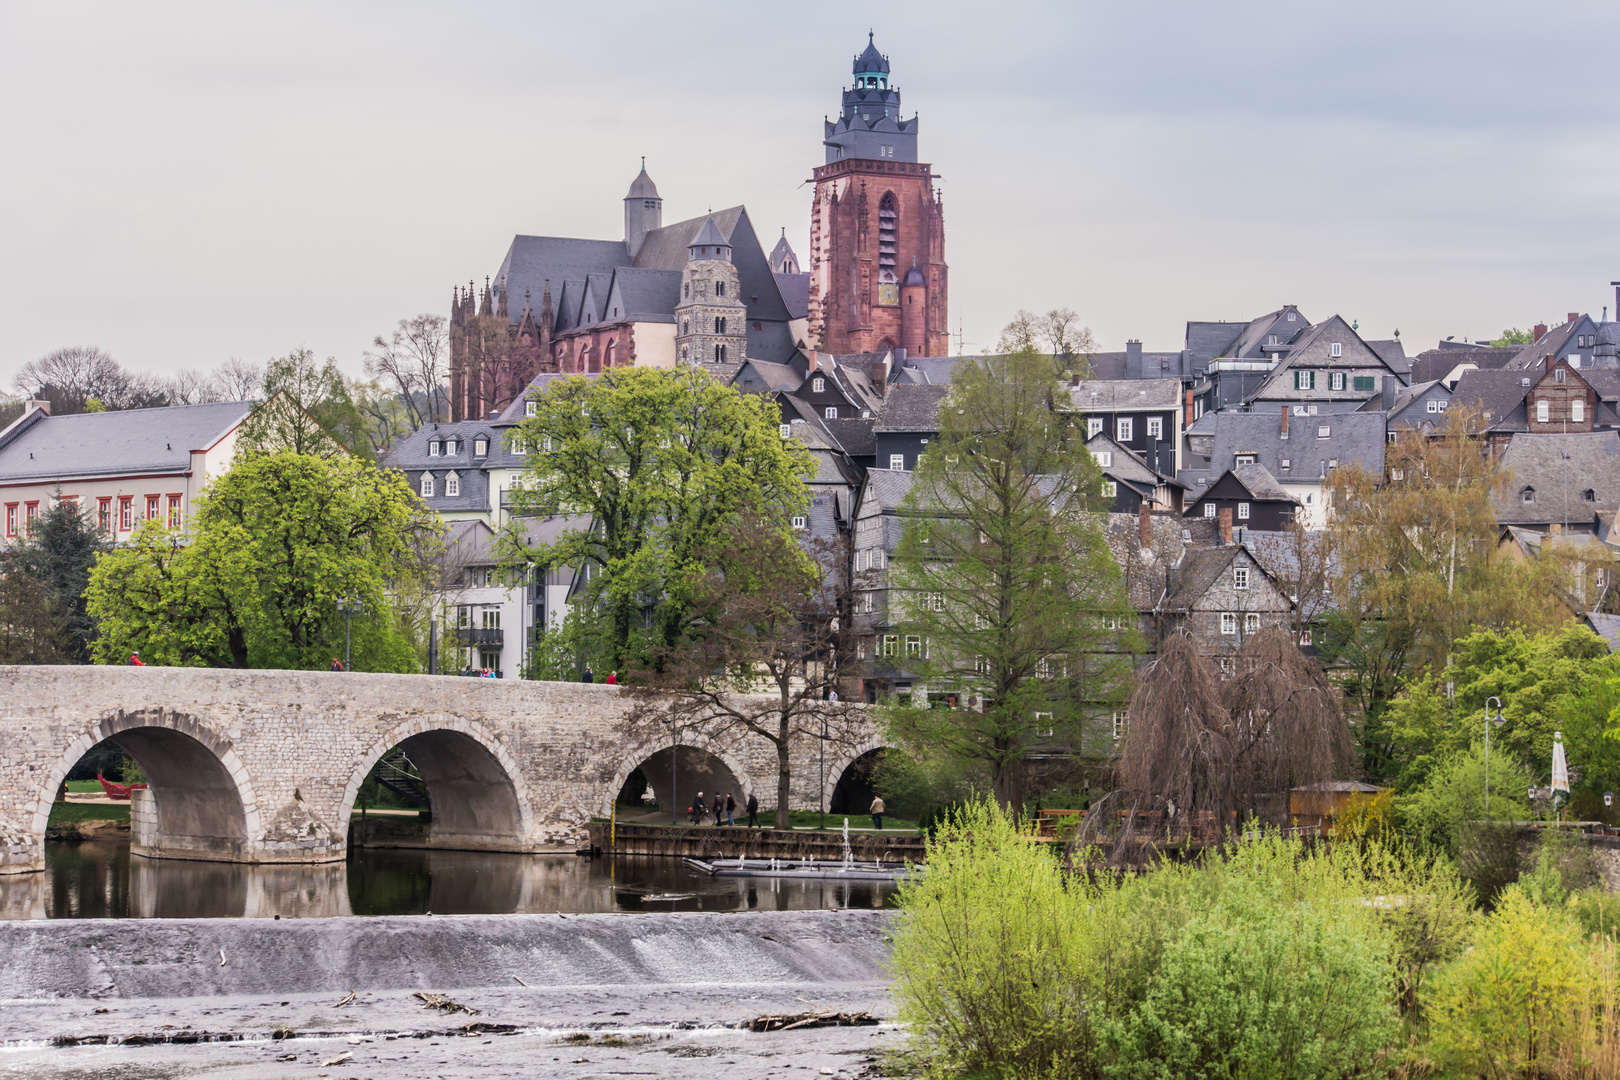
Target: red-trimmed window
x=126 y=513
x=11 y=519
x=152 y=503
x=174 y=511
x=33 y=512
x=104 y=514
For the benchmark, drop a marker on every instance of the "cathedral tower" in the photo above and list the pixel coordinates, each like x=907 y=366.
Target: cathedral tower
x=876 y=214
x=711 y=323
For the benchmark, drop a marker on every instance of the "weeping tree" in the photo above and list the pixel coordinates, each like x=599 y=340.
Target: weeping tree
x=1201 y=752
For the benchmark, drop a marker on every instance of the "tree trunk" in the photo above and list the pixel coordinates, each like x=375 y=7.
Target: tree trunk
x=784 y=779
x=1007 y=783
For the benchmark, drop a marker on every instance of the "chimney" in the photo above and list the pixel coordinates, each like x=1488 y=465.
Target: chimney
x=1573 y=316
x=1284 y=429
x=1540 y=331
x=811 y=355
x=1392 y=385
x=42 y=406
x=1557 y=528
x=1074 y=380
x=494 y=414
x=1187 y=411
x=880 y=377
x=1144 y=525
x=1133 y=359
x=1224 y=517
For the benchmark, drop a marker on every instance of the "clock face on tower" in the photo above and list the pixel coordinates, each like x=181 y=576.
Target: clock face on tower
x=888 y=294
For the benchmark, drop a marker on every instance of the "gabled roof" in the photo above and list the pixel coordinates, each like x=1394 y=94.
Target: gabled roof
x=854 y=434
x=1549 y=344
x=1261 y=484
x=665 y=249
x=128 y=442
x=1124 y=464
x=1438 y=363
x=911 y=407
x=1199 y=568
x=1560 y=469
x=932 y=370
x=758 y=377
x=532 y=261
x=1211 y=339
x=884 y=489
x=1500 y=393
x=643 y=295
x=795 y=290
x=1353 y=438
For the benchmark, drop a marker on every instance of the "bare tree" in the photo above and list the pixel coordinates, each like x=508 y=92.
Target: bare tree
x=188 y=386
x=1055 y=333
x=764 y=658
x=415 y=361
x=1304 y=562
x=70 y=378
x=237 y=380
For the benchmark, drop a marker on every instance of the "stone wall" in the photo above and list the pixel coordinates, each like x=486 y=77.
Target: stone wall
x=265 y=766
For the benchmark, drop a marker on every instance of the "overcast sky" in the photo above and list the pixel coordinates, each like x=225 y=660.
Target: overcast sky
x=183 y=183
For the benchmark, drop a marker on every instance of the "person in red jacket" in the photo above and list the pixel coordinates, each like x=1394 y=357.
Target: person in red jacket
x=135 y=660
x=613 y=678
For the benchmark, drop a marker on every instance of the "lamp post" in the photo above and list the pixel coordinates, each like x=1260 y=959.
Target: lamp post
x=823 y=773
x=1489 y=720
x=674 y=756
x=350 y=608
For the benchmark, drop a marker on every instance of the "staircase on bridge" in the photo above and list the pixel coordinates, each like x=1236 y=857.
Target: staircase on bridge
x=398 y=773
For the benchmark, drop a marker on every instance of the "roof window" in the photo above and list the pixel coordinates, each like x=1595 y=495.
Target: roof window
x=1527 y=495
x=433 y=448
x=480 y=447
x=1323 y=431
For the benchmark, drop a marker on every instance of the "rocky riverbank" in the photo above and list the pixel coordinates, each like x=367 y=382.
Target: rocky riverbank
x=576 y=996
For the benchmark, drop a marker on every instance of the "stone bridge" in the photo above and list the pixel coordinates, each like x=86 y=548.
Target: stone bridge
x=265 y=766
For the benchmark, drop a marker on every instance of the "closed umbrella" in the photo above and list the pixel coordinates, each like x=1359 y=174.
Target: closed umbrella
x=1560 y=772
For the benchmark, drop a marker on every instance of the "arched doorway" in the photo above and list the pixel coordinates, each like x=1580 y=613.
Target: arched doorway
x=853 y=792
x=191 y=806
x=674 y=776
x=466 y=792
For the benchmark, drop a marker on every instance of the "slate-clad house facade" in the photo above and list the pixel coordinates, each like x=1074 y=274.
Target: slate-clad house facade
x=1221 y=595
x=1251 y=495
x=908 y=420
x=1142 y=415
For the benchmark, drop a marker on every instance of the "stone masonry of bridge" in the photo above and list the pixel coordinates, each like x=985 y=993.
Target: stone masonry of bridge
x=265 y=766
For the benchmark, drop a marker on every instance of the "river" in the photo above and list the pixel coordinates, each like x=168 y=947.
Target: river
x=99 y=879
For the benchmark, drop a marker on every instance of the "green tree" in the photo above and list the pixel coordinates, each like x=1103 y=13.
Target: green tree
x=1003 y=585
x=61 y=546
x=657 y=463
x=1513 y=336
x=31 y=626
x=273 y=545
x=308 y=409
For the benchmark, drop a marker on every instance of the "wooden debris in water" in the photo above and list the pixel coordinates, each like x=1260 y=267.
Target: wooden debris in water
x=440 y=1002
x=823 y=1018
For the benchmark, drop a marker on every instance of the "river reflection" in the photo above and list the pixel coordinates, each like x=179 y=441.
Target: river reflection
x=99 y=879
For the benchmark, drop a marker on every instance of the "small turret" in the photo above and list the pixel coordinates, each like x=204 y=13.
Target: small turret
x=643 y=210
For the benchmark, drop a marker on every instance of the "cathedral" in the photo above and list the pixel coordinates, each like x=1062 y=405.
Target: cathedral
x=704 y=291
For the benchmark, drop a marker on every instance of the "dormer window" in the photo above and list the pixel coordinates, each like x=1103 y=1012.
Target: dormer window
x=452 y=446
x=1589 y=495
x=1323 y=431
x=531 y=408
x=480 y=447
x=1242 y=460
x=426 y=487
x=1286 y=464
x=452 y=484
x=433 y=448
x=1527 y=495
x=799 y=521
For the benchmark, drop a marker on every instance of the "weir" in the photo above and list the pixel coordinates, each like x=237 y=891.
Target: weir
x=266 y=766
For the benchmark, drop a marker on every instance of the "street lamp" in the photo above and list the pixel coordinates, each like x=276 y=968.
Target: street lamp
x=823 y=773
x=674 y=756
x=1489 y=721
x=349 y=609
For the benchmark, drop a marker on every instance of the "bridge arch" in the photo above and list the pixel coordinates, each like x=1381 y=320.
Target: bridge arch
x=651 y=749
x=846 y=759
x=480 y=801
x=200 y=790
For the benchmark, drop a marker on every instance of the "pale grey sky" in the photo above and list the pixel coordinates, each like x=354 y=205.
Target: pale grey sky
x=183 y=183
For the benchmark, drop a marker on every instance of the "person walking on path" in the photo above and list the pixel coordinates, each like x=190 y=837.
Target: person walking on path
x=877 y=812
x=613 y=678
x=337 y=665
x=589 y=676
x=753 y=811
x=697 y=809
x=731 y=810
x=135 y=660
x=719 y=807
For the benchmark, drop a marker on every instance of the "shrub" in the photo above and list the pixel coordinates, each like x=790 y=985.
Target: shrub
x=1518 y=999
x=1261 y=989
x=990 y=954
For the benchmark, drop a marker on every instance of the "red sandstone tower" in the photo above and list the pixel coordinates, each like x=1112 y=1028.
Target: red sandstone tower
x=877 y=230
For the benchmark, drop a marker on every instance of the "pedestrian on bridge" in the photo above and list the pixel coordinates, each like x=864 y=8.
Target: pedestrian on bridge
x=877 y=812
x=696 y=814
x=719 y=807
x=753 y=811
x=135 y=660
x=731 y=810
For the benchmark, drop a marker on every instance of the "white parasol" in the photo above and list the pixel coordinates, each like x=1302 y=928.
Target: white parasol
x=1560 y=770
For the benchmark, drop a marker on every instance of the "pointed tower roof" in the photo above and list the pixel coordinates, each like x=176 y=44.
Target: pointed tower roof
x=642 y=186
x=783 y=258
x=871 y=62
x=709 y=236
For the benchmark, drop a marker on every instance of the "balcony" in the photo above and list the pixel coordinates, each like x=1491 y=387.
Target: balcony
x=467 y=635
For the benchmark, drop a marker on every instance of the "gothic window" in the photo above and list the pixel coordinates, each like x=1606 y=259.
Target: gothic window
x=719 y=288
x=888 y=231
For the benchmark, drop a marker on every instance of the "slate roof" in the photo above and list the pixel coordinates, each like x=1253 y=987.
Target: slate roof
x=1549 y=344
x=1606 y=627
x=642 y=187
x=1392 y=353
x=1353 y=438
x=533 y=260
x=757 y=377
x=1261 y=484
x=37 y=447
x=1560 y=468
x=708 y=235
x=795 y=290
x=1210 y=339
x=854 y=435
x=885 y=488
x=933 y=370
x=911 y=407
x=1498 y=392
x=410 y=456
x=1197 y=570
x=1438 y=363
x=1126 y=395
x=537 y=387
x=1122 y=464
x=646 y=295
